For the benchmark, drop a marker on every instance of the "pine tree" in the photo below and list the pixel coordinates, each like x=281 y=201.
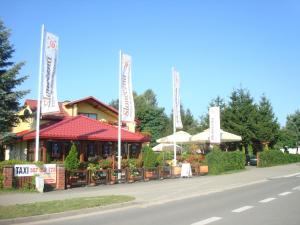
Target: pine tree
x=267 y=127
x=71 y=162
x=239 y=116
x=9 y=97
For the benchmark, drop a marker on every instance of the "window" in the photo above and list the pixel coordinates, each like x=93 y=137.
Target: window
x=91 y=151
x=107 y=149
x=89 y=115
x=56 y=150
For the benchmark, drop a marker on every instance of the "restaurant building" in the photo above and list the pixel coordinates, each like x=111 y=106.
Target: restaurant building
x=88 y=122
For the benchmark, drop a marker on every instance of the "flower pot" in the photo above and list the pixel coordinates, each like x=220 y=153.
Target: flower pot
x=203 y=169
x=149 y=174
x=176 y=170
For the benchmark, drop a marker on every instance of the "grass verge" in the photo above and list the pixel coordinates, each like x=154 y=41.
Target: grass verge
x=40 y=208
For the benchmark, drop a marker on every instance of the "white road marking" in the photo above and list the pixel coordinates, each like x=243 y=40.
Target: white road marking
x=296 y=188
x=291 y=175
x=242 y=209
x=207 y=221
x=285 y=193
x=267 y=200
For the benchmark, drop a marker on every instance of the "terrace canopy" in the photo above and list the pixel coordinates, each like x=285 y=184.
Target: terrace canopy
x=178 y=137
x=203 y=137
x=166 y=147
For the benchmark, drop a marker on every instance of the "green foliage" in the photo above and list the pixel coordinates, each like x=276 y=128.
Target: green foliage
x=276 y=157
x=9 y=97
x=12 y=162
x=72 y=162
x=220 y=162
x=293 y=128
x=149 y=157
x=266 y=127
x=239 y=116
x=152 y=118
x=39 y=164
x=106 y=164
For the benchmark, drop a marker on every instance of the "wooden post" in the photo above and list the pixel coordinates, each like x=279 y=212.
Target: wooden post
x=82 y=148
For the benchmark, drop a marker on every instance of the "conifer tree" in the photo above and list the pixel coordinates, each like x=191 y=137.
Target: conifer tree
x=267 y=127
x=71 y=162
x=9 y=80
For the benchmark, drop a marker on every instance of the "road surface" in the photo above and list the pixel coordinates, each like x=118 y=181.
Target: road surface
x=275 y=202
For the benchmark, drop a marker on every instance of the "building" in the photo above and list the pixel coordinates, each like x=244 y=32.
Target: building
x=88 y=122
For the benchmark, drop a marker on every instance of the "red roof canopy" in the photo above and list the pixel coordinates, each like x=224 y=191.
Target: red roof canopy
x=84 y=128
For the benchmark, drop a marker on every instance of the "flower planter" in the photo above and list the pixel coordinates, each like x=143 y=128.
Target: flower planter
x=176 y=170
x=149 y=174
x=203 y=169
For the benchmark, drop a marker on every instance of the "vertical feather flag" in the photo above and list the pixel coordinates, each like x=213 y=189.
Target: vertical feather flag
x=127 y=103
x=49 y=99
x=176 y=100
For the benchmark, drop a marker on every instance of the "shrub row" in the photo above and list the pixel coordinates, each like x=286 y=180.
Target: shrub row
x=276 y=157
x=220 y=162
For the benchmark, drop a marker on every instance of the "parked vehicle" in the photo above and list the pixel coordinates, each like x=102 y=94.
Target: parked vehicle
x=253 y=161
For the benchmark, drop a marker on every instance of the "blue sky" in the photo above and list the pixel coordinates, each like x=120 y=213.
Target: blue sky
x=217 y=46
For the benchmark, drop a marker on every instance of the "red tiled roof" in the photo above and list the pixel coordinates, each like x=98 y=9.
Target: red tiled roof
x=83 y=128
x=22 y=133
x=94 y=101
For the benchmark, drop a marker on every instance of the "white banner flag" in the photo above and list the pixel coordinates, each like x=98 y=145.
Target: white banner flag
x=127 y=103
x=49 y=102
x=214 y=125
x=176 y=100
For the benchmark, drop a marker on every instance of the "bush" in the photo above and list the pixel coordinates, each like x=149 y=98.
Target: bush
x=13 y=162
x=276 y=157
x=219 y=161
x=106 y=164
x=71 y=162
x=149 y=157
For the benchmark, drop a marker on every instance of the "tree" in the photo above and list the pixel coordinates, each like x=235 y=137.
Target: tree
x=71 y=162
x=293 y=128
x=204 y=119
x=189 y=124
x=151 y=118
x=9 y=80
x=239 y=116
x=266 y=127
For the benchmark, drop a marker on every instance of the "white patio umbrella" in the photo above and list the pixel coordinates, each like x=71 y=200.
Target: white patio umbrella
x=166 y=147
x=203 y=137
x=178 y=137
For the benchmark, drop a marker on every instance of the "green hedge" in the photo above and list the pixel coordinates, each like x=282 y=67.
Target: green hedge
x=276 y=157
x=220 y=162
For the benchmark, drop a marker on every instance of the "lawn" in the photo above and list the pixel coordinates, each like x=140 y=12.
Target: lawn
x=40 y=208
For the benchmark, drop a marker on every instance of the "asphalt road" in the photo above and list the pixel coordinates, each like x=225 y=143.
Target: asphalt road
x=268 y=203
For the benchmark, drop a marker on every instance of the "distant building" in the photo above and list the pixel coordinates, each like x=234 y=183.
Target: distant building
x=88 y=122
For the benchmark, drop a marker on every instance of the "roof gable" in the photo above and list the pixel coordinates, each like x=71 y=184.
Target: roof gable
x=95 y=102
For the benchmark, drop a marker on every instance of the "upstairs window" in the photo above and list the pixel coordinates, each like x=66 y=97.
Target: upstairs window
x=89 y=115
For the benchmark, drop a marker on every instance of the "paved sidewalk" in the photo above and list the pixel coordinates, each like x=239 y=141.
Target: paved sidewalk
x=158 y=192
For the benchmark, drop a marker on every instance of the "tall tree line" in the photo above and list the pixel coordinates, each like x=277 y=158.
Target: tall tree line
x=241 y=115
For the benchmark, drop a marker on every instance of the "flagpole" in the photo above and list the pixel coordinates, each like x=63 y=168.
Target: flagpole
x=119 y=117
x=38 y=109
x=174 y=126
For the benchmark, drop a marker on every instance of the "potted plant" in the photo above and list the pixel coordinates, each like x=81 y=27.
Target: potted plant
x=92 y=168
x=71 y=164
